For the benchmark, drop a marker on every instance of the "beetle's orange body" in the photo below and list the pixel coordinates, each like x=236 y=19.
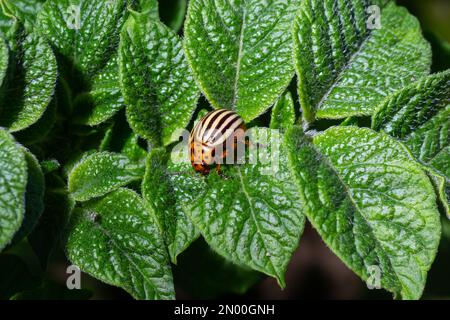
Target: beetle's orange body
x=212 y=136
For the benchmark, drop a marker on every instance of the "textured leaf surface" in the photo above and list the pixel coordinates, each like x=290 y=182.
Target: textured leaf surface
x=283 y=113
x=88 y=47
x=34 y=197
x=116 y=240
x=346 y=68
x=240 y=51
x=442 y=188
x=133 y=150
x=168 y=188
x=13 y=181
x=24 y=10
x=4 y=59
x=371 y=203
x=120 y=138
x=253 y=214
x=83 y=31
x=149 y=7
x=100 y=173
x=38 y=131
x=419 y=115
x=30 y=82
x=159 y=90
x=104 y=99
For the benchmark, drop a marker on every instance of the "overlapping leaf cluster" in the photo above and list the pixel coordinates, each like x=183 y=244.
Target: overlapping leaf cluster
x=93 y=98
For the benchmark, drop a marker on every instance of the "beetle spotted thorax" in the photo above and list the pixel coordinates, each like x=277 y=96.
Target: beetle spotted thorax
x=213 y=136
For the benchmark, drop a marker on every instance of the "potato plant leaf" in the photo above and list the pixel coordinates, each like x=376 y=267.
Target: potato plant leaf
x=253 y=214
x=419 y=115
x=240 y=51
x=371 y=202
x=133 y=150
x=104 y=99
x=159 y=90
x=23 y=10
x=84 y=32
x=101 y=173
x=442 y=188
x=149 y=7
x=30 y=81
x=97 y=62
x=4 y=59
x=283 y=113
x=34 y=197
x=13 y=182
x=38 y=131
x=120 y=138
x=115 y=239
x=168 y=188
x=347 y=62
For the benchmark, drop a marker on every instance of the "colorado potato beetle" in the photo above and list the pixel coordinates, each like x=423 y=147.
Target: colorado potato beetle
x=213 y=136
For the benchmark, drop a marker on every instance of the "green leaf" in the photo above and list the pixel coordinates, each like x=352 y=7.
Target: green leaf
x=172 y=13
x=23 y=10
x=105 y=98
x=133 y=150
x=419 y=115
x=120 y=138
x=84 y=32
x=204 y=274
x=167 y=187
x=90 y=52
x=240 y=51
x=344 y=67
x=13 y=181
x=101 y=173
x=354 y=121
x=160 y=93
x=34 y=197
x=441 y=186
x=4 y=59
x=149 y=7
x=283 y=113
x=38 y=131
x=252 y=214
x=116 y=240
x=30 y=82
x=50 y=165
x=371 y=202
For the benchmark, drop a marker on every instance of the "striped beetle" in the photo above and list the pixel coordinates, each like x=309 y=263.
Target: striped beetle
x=212 y=135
